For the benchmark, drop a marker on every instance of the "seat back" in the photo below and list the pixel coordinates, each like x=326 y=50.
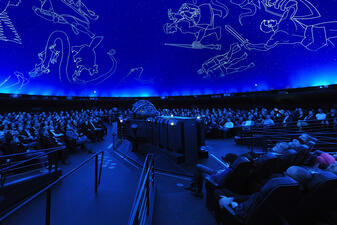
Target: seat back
x=287 y=159
x=322 y=191
x=279 y=197
x=238 y=177
x=301 y=157
x=266 y=165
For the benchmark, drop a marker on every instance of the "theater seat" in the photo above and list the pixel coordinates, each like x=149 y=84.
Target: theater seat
x=235 y=182
x=267 y=166
x=272 y=205
x=319 y=198
x=287 y=159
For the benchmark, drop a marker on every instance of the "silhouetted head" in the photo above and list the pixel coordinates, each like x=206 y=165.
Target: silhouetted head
x=230 y=158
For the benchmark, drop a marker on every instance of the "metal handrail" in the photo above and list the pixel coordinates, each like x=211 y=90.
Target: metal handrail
x=145 y=187
x=32 y=158
x=280 y=125
x=34 y=151
x=321 y=137
x=50 y=186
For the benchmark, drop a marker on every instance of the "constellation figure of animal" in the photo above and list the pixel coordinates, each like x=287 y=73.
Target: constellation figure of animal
x=59 y=52
x=8 y=32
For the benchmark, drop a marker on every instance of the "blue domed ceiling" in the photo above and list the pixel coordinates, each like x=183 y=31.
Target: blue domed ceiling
x=162 y=47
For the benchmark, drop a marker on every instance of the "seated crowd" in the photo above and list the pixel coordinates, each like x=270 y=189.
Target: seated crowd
x=288 y=183
x=227 y=118
x=23 y=131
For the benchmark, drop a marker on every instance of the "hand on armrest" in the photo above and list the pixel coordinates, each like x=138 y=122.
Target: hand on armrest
x=229 y=209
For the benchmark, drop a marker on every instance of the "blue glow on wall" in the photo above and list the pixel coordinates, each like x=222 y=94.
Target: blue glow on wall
x=159 y=48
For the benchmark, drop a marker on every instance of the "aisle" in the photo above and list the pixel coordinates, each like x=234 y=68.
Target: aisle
x=175 y=205
x=74 y=201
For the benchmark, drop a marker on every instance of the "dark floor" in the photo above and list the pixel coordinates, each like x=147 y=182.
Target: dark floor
x=175 y=205
x=74 y=201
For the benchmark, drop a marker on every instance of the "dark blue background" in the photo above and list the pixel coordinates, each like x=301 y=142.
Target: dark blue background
x=135 y=30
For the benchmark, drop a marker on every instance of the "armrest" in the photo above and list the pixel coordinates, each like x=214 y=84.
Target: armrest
x=210 y=186
x=229 y=210
x=211 y=181
x=227 y=215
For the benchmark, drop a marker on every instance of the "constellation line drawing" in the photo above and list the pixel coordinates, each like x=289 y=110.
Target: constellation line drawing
x=8 y=32
x=307 y=10
x=196 y=45
x=77 y=24
x=197 y=20
x=288 y=30
x=276 y=7
x=58 y=51
x=249 y=6
x=227 y=63
x=79 y=7
x=18 y=79
x=136 y=74
x=238 y=36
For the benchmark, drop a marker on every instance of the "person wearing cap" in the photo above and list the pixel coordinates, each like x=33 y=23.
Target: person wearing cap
x=324 y=160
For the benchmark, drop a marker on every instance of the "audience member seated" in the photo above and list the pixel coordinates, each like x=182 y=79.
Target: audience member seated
x=299 y=174
x=325 y=160
x=267 y=206
x=268 y=122
x=249 y=122
x=229 y=124
x=321 y=116
x=218 y=176
x=23 y=131
x=228 y=118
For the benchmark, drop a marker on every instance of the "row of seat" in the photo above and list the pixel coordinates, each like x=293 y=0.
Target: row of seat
x=283 y=200
x=263 y=178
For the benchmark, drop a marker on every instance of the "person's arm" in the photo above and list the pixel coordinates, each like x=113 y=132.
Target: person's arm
x=55 y=134
x=186 y=27
x=93 y=126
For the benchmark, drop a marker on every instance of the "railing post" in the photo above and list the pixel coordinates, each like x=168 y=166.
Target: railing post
x=96 y=171
x=148 y=196
x=48 y=205
x=100 y=169
x=114 y=140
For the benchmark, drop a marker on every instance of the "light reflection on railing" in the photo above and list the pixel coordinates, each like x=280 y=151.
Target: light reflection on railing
x=142 y=208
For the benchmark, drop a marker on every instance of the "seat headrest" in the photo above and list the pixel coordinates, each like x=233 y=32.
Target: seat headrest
x=276 y=183
x=299 y=174
x=239 y=162
x=266 y=159
x=321 y=178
